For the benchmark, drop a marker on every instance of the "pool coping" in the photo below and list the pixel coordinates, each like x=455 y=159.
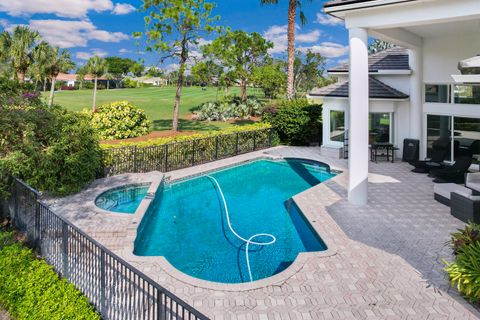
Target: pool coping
x=277 y=279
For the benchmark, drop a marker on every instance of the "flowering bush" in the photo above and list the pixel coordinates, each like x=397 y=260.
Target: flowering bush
x=120 y=120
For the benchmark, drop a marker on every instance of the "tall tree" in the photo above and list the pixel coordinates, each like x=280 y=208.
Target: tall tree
x=96 y=67
x=240 y=52
x=59 y=60
x=81 y=74
x=271 y=78
x=173 y=28
x=39 y=68
x=18 y=49
x=308 y=71
x=119 y=67
x=206 y=72
x=293 y=7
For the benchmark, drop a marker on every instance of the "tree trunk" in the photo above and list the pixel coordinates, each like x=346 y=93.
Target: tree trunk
x=108 y=84
x=178 y=95
x=44 y=84
x=244 y=90
x=94 y=105
x=52 y=92
x=292 y=15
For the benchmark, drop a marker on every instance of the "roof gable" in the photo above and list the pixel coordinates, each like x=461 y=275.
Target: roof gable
x=395 y=58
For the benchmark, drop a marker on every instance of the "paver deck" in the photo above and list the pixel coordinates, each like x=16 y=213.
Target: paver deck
x=387 y=265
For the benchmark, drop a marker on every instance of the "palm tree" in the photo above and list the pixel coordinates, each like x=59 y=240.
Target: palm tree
x=96 y=67
x=17 y=49
x=81 y=73
x=293 y=6
x=59 y=61
x=40 y=56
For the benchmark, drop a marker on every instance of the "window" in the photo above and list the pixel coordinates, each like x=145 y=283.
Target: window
x=439 y=134
x=437 y=93
x=337 y=126
x=380 y=127
x=467 y=94
x=466 y=137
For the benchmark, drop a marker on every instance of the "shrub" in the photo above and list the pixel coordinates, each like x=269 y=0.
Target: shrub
x=297 y=122
x=14 y=93
x=30 y=289
x=465 y=237
x=120 y=120
x=232 y=108
x=464 y=273
x=50 y=148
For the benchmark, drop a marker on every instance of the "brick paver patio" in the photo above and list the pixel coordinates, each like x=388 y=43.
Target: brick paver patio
x=387 y=262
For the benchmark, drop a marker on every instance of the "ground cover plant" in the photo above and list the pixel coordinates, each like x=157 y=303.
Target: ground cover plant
x=30 y=288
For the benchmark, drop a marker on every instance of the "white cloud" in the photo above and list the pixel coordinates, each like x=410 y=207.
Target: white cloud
x=172 y=67
x=278 y=35
x=68 y=34
x=94 y=52
x=4 y=23
x=327 y=49
x=123 y=51
x=328 y=20
x=123 y=8
x=61 y=8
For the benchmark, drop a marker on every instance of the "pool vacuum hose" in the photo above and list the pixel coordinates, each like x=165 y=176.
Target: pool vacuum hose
x=250 y=240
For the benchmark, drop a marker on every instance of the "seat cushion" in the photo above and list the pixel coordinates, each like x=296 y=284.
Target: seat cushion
x=445 y=189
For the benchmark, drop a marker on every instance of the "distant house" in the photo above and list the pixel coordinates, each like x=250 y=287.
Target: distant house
x=71 y=78
x=155 y=81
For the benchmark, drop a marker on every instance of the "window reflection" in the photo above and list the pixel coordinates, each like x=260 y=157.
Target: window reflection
x=337 y=126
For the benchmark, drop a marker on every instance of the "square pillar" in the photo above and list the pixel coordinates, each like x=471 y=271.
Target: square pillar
x=359 y=109
x=416 y=97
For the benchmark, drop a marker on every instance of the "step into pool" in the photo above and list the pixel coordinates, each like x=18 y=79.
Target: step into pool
x=198 y=224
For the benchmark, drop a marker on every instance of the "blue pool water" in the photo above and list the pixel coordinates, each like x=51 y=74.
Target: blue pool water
x=187 y=224
x=122 y=200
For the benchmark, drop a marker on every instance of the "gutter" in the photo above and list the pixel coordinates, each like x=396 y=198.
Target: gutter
x=340 y=7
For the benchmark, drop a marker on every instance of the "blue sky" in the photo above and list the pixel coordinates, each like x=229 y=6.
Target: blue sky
x=104 y=27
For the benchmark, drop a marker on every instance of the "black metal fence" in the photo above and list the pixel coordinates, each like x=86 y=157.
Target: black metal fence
x=117 y=289
x=184 y=154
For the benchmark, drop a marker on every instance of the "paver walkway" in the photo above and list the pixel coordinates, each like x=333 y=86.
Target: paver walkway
x=388 y=263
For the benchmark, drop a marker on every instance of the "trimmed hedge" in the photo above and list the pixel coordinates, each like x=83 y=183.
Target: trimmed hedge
x=167 y=140
x=30 y=288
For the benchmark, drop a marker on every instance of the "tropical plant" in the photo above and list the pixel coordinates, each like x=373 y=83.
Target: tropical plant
x=173 y=28
x=293 y=7
x=17 y=49
x=464 y=273
x=465 y=237
x=119 y=120
x=241 y=53
x=58 y=60
x=97 y=67
x=206 y=72
x=379 y=46
x=81 y=74
x=38 y=71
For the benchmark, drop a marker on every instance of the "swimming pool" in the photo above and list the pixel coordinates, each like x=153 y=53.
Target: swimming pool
x=122 y=200
x=188 y=222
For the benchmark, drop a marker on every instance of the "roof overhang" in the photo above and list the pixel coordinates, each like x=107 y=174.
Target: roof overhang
x=313 y=96
x=376 y=73
x=466 y=78
x=339 y=9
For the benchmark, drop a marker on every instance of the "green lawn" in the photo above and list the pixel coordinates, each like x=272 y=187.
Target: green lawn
x=157 y=103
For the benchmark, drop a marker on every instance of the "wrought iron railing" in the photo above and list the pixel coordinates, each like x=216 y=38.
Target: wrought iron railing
x=117 y=289
x=179 y=155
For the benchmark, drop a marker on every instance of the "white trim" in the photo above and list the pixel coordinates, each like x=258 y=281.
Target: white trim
x=466 y=78
x=346 y=98
x=361 y=5
x=379 y=72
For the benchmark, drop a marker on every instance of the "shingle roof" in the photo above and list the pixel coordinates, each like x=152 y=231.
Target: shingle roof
x=395 y=58
x=378 y=90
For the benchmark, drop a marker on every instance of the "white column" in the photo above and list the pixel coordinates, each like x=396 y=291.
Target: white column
x=359 y=108
x=416 y=97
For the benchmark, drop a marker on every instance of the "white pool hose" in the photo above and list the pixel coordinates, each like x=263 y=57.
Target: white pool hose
x=249 y=241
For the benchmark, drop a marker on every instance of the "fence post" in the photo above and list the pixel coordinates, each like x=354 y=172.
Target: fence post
x=36 y=232
x=216 y=147
x=236 y=145
x=193 y=152
x=65 y=249
x=103 y=285
x=166 y=158
x=134 y=159
x=270 y=137
x=160 y=306
x=254 y=140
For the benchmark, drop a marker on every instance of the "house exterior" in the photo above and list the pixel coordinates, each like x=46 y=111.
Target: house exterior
x=71 y=78
x=428 y=100
x=154 y=81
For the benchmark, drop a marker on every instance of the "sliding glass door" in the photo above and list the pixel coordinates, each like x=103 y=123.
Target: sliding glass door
x=380 y=126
